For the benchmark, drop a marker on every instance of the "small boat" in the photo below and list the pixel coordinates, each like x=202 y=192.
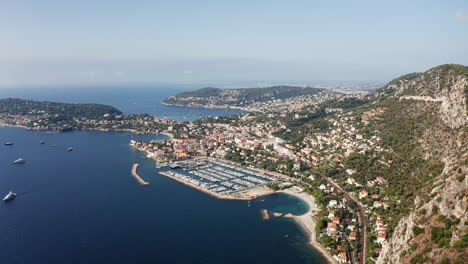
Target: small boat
x=8 y=143
x=42 y=142
x=11 y=195
x=175 y=166
x=20 y=160
x=69 y=149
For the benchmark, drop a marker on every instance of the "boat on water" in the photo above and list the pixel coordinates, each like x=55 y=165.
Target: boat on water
x=69 y=149
x=11 y=195
x=20 y=160
x=42 y=142
x=8 y=143
x=175 y=165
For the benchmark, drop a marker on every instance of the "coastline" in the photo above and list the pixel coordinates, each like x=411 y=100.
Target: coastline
x=247 y=109
x=133 y=131
x=308 y=222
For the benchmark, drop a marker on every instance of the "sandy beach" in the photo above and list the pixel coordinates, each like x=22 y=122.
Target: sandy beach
x=308 y=222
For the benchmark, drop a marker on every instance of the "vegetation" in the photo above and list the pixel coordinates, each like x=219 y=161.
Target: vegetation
x=62 y=110
x=239 y=97
x=204 y=92
x=417 y=230
x=440 y=236
x=462 y=243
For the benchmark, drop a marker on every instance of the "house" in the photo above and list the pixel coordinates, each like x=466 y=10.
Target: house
x=363 y=194
x=332 y=214
x=331 y=227
x=379 y=223
x=378 y=204
x=352 y=227
x=381 y=238
x=352 y=181
x=352 y=236
x=342 y=258
x=336 y=220
x=333 y=203
x=382 y=229
x=381 y=180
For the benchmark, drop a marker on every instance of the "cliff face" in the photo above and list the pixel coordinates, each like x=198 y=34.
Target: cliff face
x=435 y=230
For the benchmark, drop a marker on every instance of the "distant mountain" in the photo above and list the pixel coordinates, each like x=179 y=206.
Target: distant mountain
x=215 y=97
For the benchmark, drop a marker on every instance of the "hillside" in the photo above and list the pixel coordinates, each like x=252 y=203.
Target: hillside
x=22 y=107
x=244 y=97
x=424 y=124
x=417 y=124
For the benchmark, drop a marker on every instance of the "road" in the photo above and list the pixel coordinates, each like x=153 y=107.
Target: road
x=361 y=218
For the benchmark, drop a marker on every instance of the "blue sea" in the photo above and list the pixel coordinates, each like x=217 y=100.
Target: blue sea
x=83 y=206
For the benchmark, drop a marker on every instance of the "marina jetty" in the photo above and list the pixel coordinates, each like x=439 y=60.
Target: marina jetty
x=136 y=176
x=223 y=180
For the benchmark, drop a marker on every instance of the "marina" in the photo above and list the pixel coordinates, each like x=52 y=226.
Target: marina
x=223 y=180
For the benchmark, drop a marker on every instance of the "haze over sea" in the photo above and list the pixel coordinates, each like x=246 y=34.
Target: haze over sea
x=84 y=207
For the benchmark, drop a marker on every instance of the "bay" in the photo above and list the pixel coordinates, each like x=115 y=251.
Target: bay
x=84 y=207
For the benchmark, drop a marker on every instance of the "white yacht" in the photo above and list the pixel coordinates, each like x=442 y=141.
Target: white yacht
x=20 y=160
x=11 y=195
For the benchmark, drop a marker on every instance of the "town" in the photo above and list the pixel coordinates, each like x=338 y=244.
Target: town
x=252 y=143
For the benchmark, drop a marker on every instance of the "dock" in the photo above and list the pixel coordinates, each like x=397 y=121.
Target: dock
x=136 y=176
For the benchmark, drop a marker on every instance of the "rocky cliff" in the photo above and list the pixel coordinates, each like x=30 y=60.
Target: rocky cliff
x=435 y=230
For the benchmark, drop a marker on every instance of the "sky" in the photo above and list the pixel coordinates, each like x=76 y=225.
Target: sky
x=50 y=42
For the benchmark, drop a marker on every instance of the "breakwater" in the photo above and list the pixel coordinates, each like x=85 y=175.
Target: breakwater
x=136 y=176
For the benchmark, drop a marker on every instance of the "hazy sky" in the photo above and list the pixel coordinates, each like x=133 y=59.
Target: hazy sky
x=100 y=41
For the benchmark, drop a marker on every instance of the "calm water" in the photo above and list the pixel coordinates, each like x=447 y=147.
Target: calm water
x=141 y=100
x=84 y=207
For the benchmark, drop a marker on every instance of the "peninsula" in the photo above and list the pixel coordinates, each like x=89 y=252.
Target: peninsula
x=248 y=98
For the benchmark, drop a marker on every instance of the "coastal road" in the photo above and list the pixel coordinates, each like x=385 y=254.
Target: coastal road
x=361 y=217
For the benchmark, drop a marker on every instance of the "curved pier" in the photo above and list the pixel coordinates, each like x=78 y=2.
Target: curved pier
x=136 y=176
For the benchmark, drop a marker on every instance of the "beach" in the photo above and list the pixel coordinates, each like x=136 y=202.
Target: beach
x=308 y=222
